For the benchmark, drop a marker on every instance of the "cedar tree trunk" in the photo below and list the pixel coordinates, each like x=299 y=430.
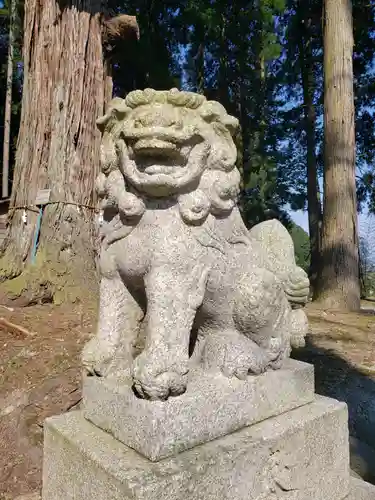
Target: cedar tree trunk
x=308 y=83
x=58 y=149
x=66 y=85
x=338 y=286
x=8 y=101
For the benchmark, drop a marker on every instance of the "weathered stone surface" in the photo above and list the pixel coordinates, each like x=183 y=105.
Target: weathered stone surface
x=213 y=406
x=301 y=455
x=174 y=245
x=359 y=490
x=362 y=459
x=31 y=496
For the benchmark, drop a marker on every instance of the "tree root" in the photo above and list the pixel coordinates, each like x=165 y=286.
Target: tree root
x=49 y=281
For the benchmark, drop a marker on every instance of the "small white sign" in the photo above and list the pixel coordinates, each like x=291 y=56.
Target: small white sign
x=42 y=197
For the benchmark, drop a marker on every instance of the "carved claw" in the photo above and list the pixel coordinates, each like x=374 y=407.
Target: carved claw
x=157 y=379
x=97 y=356
x=282 y=355
x=236 y=355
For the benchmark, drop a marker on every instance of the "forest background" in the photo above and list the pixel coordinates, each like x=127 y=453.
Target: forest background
x=263 y=60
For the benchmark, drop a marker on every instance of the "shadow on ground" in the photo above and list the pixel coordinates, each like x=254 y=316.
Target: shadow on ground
x=338 y=379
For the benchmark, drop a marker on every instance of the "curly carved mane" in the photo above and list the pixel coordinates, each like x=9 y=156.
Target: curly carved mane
x=218 y=187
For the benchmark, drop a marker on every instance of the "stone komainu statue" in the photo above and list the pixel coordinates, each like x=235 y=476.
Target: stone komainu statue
x=177 y=262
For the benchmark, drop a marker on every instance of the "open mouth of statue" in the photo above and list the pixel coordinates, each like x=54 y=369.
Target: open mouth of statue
x=155 y=156
x=162 y=160
x=161 y=150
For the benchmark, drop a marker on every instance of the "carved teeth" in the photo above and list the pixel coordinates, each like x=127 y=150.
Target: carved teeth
x=162 y=169
x=164 y=134
x=152 y=147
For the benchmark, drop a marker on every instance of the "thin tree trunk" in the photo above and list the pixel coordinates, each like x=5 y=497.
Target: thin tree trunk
x=338 y=285
x=261 y=69
x=108 y=83
x=254 y=132
x=199 y=69
x=58 y=149
x=222 y=77
x=241 y=136
x=314 y=208
x=8 y=101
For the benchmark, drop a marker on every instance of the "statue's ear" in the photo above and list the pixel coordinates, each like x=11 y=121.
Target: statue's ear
x=117 y=111
x=102 y=122
x=222 y=131
x=223 y=153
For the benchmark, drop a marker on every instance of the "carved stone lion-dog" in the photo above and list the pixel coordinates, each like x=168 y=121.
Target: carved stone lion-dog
x=176 y=257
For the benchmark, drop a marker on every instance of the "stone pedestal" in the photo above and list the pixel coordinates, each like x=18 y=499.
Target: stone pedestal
x=301 y=455
x=267 y=438
x=213 y=406
x=359 y=490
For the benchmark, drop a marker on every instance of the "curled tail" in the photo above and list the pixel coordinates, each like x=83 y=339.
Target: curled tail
x=299 y=328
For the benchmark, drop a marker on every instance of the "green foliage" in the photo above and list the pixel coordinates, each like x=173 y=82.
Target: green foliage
x=153 y=61
x=367 y=268
x=301 y=242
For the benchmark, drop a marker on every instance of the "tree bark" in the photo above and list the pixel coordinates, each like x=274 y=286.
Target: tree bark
x=199 y=69
x=222 y=77
x=58 y=149
x=314 y=208
x=8 y=101
x=338 y=285
x=108 y=83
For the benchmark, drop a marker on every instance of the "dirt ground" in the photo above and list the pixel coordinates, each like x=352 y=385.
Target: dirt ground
x=40 y=376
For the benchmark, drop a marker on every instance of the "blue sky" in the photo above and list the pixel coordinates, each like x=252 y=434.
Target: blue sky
x=366 y=224
x=300 y=218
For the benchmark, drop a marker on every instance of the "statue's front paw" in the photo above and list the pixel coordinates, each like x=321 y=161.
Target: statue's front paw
x=280 y=355
x=157 y=374
x=297 y=287
x=97 y=356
